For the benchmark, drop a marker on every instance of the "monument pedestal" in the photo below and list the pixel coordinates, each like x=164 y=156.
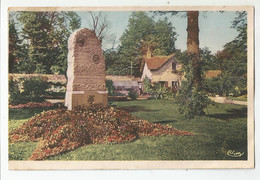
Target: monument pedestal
x=78 y=98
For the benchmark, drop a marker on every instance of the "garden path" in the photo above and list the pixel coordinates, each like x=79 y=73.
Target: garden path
x=225 y=100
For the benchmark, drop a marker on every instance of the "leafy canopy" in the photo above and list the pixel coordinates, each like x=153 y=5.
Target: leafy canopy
x=142 y=33
x=44 y=38
x=232 y=60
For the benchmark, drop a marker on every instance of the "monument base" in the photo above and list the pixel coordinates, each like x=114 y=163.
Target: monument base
x=81 y=98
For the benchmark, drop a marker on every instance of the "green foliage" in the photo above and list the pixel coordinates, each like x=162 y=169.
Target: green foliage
x=44 y=41
x=115 y=65
x=34 y=89
x=212 y=86
x=157 y=90
x=225 y=84
x=132 y=95
x=26 y=90
x=147 y=85
x=14 y=44
x=143 y=32
x=191 y=98
x=232 y=61
x=165 y=38
x=14 y=92
x=208 y=60
x=110 y=87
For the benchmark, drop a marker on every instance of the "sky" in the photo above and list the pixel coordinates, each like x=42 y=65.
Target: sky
x=215 y=27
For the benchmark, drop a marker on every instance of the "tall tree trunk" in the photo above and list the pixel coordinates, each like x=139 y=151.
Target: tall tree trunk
x=193 y=32
x=193 y=45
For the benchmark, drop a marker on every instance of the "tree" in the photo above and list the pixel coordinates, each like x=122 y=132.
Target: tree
x=14 y=42
x=191 y=98
x=143 y=33
x=232 y=60
x=208 y=60
x=193 y=50
x=99 y=24
x=112 y=61
x=45 y=36
x=193 y=45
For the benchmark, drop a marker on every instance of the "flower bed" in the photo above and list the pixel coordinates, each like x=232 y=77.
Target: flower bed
x=117 y=98
x=61 y=130
x=32 y=105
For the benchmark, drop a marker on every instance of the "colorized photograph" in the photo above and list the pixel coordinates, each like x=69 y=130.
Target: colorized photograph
x=150 y=85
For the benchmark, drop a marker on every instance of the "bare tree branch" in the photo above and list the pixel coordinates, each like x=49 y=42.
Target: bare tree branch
x=99 y=24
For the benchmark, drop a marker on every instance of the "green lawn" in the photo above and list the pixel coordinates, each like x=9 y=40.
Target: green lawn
x=223 y=128
x=240 y=98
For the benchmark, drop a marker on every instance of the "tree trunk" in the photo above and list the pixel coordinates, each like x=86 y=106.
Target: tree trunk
x=193 y=45
x=193 y=32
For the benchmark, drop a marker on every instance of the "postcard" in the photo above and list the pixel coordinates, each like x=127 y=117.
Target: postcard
x=131 y=87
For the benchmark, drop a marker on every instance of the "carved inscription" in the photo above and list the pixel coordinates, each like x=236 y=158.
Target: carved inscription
x=88 y=69
x=89 y=87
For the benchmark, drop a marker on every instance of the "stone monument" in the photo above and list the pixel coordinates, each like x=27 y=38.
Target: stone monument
x=86 y=70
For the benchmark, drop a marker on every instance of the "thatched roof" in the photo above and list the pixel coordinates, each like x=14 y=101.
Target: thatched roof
x=156 y=62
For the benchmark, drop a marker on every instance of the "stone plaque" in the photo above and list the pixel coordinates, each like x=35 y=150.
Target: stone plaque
x=86 y=70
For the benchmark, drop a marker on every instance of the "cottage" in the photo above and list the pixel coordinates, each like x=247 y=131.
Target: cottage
x=163 y=69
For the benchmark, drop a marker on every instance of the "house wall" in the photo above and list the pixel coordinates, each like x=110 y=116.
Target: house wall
x=146 y=72
x=165 y=73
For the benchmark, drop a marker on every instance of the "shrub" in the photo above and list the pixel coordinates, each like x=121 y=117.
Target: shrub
x=110 y=87
x=191 y=101
x=26 y=90
x=226 y=84
x=132 y=95
x=212 y=86
x=34 y=89
x=160 y=92
x=157 y=90
x=14 y=92
x=191 y=98
x=147 y=84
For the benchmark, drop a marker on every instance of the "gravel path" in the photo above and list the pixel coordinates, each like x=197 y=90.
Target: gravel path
x=55 y=100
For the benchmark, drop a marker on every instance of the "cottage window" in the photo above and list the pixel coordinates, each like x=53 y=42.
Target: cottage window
x=175 y=86
x=173 y=67
x=164 y=84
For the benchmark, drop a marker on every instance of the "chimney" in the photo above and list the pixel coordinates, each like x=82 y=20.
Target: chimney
x=149 y=53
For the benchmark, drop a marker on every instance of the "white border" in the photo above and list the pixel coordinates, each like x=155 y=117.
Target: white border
x=140 y=174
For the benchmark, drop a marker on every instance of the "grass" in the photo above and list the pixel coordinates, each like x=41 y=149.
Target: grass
x=240 y=98
x=223 y=128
